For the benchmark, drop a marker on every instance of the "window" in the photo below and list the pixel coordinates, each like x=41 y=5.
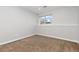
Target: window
x=46 y=20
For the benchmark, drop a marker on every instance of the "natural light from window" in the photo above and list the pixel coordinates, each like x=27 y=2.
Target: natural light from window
x=46 y=19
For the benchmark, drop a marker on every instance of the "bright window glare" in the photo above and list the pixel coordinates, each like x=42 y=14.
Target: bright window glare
x=43 y=17
x=46 y=19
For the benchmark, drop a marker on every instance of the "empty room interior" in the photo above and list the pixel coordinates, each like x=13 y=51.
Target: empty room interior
x=39 y=28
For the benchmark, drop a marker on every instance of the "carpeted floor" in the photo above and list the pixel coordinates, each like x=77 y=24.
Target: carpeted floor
x=39 y=43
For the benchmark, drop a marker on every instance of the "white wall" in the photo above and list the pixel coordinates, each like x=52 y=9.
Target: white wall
x=15 y=23
x=65 y=24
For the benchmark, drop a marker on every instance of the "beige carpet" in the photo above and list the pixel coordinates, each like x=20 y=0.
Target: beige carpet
x=39 y=43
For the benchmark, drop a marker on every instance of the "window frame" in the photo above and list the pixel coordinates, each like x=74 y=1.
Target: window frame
x=44 y=23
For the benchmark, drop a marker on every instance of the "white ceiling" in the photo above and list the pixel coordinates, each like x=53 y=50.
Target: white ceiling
x=35 y=9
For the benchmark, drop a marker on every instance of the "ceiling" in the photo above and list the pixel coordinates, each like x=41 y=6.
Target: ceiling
x=35 y=9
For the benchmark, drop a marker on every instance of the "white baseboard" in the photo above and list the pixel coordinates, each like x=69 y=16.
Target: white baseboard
x=16 y=39
x=59 y=38
x=39 y=34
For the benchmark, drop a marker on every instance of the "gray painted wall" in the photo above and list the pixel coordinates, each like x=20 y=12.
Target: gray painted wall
x=65 y=25
x=16 y=22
